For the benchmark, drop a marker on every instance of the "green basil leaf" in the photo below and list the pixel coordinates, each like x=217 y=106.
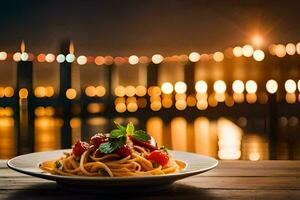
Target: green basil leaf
x=141 y=135
x=112 y=145
x=130 y=128
x=119 y=126
x=116 y=133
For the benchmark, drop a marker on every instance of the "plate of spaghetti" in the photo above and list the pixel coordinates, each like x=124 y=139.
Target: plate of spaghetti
x=124 y=160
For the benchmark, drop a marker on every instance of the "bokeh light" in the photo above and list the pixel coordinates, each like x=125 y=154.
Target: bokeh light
x=237 y=51
x=247 y=50
x=70 y=58
x=71 y=93
x=133 y=60
x=157 y=58
x=180 y=87
x=167 y=88
x=50 y=57
x=3 y=55
x=258 y=55
x=251 y=86
x=290 y=49
x=238 y=86
x=201 y=86
x=280 y=50
x=271 y=86
x=60 y=58
x=218 y=56
x=82 y=60
x=290 y=86
x=194 y=57
x=219 y=86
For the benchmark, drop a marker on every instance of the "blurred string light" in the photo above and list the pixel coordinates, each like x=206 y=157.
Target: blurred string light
x=258 y=55
x=133 y=60
x=257 y=40
x=280 y=50
x=201 y=86
x=60 y=58
x=194 y=57
x=218 y=56
x=290 y=86
x=157 y=58
x=271 y=86
x=290 y=49
x=3 y=55
x=219 y=86
x=251 y=86
x=237 y=51
x=71 y=93
x=50 y=57
x=70 y=58
x=167 y=88
x=180 y=87
x=82 y=60
x=247 y=50
x=238 y=86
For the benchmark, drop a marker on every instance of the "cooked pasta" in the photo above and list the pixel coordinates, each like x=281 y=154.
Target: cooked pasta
x=123 y=152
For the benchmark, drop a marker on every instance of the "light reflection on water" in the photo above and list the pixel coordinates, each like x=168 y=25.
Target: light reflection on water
x=221 y=138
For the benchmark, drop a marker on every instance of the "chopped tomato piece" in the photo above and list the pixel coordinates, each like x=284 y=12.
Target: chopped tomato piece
x=160 y=157
x=150 y=144
x=79 y=148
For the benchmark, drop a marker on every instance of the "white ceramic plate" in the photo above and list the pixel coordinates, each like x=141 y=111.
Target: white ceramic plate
x=28 y=164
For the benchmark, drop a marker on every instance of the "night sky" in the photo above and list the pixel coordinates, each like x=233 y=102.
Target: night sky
x=145 y=27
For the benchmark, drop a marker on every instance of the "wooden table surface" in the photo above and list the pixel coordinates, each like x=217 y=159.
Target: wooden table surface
x=230 y=180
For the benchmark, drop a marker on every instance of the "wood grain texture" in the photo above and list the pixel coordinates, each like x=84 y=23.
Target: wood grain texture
x=230 y=180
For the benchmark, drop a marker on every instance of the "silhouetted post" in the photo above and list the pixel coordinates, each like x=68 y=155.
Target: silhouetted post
x=25 y=116
x=65 y=83
x=272 y=127
x=189 y=77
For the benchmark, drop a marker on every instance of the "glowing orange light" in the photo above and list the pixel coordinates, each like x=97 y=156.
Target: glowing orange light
x=99 y=60
x=257 y=40
x=71 y=93
x=194 y=57
x=218 y=56
x=41 y=57
x=90 y=91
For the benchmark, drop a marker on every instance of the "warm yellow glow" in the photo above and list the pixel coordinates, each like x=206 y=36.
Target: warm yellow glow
x=8 y=92
x=290 y=98
x=154 y=91
x=251 y=97
x=237 y=51
x=201 y=86
x=230 y=136
x=247 y=50
x=133 y=60
x=24 y=56
x=180 y=104
x=99 y=60
x=272 y=49
x=17 y=56
x=157 y=58
x=155 y=106
x=298 y=85
x=263 y=98
x=238 y=86
x=120 y=91
x=271 y=86
x=290 y=49
x=180 y=87
x=100 y=91
x=130 y=91
x=229 y=101
x=82 y=60
x=154 y=128
x=251 y=86
x=132 y=107
x=71 y=93
x=180 y=96
x=191 y=101
x=167 y=102
x=238 y=97
x=290 y=86
x=141 y=91
x=144 y=59
x=70 y=58
x=75 y=122
x=120 y=107
x=298 y=48
x=212 y=102
x=257 y=40
x=220 y=97
x=194 y=57
x=3 y=55
x=218 y=56
x=204 y=141
x=60 y=58
x=49 y=91
x=41 y=57
x=280 y=50
x=179 y=134
x=1 y=92
x=50 y=57
x=167 y=88
x=40 y=91
x=254 y=156
x=90 y=91
x=23 y=93
x=219 y=86
x=258 y=55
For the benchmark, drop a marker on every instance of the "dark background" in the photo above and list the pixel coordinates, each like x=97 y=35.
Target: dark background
x=145 y=27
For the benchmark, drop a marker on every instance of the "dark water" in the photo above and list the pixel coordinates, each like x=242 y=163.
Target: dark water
x=223 y=137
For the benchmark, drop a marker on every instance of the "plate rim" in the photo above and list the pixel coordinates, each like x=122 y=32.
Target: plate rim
x=179 y=175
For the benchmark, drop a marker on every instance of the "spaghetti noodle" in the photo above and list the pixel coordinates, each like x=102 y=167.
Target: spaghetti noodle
x=122 y=152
